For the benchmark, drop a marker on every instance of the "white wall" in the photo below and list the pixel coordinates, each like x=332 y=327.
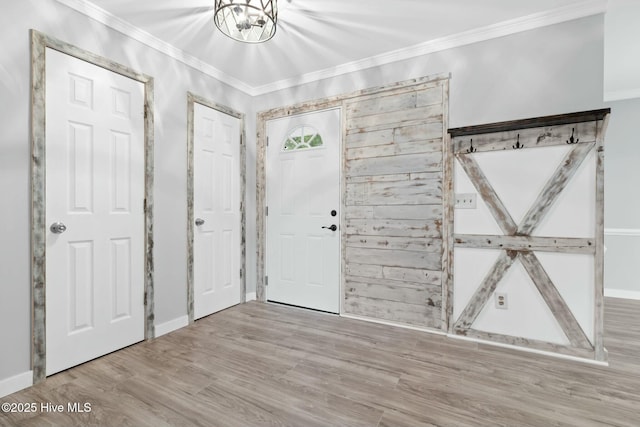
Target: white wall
x=622 y=50
x=622 y=201
x=172 y=81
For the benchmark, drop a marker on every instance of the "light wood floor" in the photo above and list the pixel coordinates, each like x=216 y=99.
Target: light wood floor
x=268 y=365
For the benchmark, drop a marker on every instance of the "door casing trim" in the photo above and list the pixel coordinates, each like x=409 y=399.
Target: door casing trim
x=191 y=100
x=39 y=43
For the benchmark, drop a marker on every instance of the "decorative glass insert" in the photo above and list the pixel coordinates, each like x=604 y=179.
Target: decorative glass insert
x=301 y=138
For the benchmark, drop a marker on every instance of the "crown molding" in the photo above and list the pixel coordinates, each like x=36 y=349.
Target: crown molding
x=501 y=29
x=97 y=13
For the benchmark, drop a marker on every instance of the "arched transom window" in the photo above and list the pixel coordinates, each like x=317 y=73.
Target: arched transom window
x=301 y=138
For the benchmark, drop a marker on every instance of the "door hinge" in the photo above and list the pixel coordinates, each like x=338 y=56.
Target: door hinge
x=145 y=298
x=241 y=273
x=144 y=205
x=266 y=211
x=266 y=280
x=267 y=141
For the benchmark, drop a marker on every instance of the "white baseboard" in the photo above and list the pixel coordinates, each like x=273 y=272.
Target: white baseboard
x=621 y=293
x=172 y=325
x=251 y=296
x=531 y=350
x=16 y=383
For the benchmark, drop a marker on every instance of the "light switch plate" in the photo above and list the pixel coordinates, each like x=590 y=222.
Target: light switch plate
x=466 y=200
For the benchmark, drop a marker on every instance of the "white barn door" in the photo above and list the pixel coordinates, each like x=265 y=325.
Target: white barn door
x=303 y=200
x=216 y=206
x=94 y=211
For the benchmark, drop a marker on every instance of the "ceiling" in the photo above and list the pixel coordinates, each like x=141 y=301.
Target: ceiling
x=323 y=35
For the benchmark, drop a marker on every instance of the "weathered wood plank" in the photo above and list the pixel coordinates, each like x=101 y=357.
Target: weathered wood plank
x=412 y=314
x=528 y=138
x=394 y=258
x=526 y=243
x=488 y=194
x=386 y=281
x=391 y=227
x=395 y=119
x=430 y=96
x=485 y=290
x=412 y=147
x=394 y=102
x=448 y=204
x=394 y=193
x=381 y=178
x=425 y=176
x=358 y=211
x=599 y=255
x=364 y=270
x=356 y=194
x=525 y=342
x=448 y=201
x=408 y=212
x=427 y=162
x=554 y=301
x=394 y=291
x=535 y=122
x=381 y=105
x=554 y=187
x=394 y=243
x=369 y=139
x=431 y=277
x=419 y=132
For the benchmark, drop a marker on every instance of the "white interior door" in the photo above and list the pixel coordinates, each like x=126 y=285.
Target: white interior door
x=303 y=199
x=94 y=188
x=216 y=206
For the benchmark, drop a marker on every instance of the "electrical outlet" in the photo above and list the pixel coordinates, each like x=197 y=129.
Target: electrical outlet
x=501 y=300
x=466 y=200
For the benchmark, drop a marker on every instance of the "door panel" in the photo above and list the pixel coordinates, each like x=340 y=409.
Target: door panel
x=95 y=187
x=216 y=147
x=303 y=187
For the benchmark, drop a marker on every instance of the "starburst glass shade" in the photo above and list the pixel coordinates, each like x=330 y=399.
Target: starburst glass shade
x=249 y=21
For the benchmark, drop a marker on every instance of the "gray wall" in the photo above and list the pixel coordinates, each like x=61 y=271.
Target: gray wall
x=172 y=81
x=549 y=70
x=622 y=203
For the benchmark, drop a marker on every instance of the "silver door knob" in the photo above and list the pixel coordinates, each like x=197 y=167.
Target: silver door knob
x=58 y=228
x=199 y=221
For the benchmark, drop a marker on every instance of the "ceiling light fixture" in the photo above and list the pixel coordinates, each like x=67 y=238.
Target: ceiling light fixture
x=249 y=21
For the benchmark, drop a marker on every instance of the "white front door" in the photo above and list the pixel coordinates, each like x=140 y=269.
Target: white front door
x=303 y=200
x=94 y=189
x=216 y=206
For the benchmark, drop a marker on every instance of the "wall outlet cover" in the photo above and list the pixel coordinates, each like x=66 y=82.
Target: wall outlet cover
x=501 y=300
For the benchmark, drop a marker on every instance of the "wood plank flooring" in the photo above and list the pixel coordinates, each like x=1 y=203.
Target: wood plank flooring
x=268 y=365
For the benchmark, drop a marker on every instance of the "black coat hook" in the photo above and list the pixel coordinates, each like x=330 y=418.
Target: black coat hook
x=517 y=145
x=471 y=148
x=573 y=140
